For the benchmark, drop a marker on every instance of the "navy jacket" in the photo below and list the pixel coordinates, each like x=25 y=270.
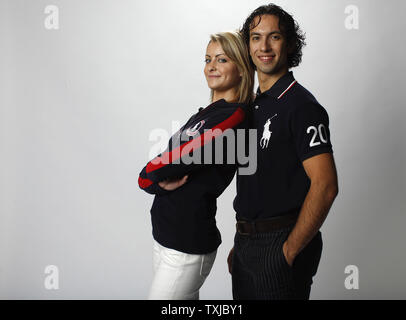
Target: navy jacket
x=184 y=219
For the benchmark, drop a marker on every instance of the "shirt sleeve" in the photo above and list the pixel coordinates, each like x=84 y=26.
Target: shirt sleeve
x=150 y=186
x=310 y=130
x=178 y=159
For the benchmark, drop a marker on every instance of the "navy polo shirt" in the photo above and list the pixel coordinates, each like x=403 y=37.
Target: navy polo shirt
x=291 y=127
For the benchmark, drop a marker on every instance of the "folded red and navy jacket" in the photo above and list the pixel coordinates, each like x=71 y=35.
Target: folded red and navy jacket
x=184 y=219
x=198 y=134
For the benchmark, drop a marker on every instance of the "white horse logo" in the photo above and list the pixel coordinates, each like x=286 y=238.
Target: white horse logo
x=266 y=135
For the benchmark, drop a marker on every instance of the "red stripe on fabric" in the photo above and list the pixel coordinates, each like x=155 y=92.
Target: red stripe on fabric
x=144 y=183
x=287 y=89
x=173 y=155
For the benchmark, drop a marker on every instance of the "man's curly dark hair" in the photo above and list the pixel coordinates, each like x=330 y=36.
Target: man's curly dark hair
x=295 y=38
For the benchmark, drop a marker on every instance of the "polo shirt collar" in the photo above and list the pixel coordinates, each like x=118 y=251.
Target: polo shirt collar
x=280 y=87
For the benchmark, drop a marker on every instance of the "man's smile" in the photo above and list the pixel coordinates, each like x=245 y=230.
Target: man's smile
x=267 y=58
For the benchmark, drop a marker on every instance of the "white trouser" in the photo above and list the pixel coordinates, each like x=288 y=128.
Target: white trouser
x=178 y=275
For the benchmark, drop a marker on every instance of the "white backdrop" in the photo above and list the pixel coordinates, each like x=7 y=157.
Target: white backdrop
x=78 y=104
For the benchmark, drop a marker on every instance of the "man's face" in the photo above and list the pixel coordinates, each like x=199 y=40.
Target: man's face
x=268 y=46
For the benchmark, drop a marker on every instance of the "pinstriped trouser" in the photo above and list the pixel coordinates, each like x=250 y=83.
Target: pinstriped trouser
x=261 y=272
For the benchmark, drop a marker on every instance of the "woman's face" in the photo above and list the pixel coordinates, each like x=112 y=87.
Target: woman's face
x=221 y=73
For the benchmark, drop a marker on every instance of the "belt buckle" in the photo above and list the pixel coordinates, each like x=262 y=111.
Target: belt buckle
x=239 y=229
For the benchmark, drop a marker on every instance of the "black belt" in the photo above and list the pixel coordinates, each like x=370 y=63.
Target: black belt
x=268 y=225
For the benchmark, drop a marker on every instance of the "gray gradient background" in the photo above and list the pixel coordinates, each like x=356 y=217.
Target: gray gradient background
x=78 y=104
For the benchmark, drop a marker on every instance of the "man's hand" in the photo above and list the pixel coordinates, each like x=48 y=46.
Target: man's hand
x=230 y=260
x=289 y=259
x=171 y=185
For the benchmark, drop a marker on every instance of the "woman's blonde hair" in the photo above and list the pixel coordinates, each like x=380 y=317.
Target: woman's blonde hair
x=235 y=48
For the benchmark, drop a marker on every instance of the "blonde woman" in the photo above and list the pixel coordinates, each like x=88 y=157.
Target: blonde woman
x=183 y=212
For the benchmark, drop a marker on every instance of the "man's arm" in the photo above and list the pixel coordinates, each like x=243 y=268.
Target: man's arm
x=323 y=190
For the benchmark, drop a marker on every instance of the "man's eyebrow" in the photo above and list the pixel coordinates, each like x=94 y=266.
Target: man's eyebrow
x=272 y=32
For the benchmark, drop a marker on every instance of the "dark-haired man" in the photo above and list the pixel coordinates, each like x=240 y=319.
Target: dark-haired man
x=280 y=208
